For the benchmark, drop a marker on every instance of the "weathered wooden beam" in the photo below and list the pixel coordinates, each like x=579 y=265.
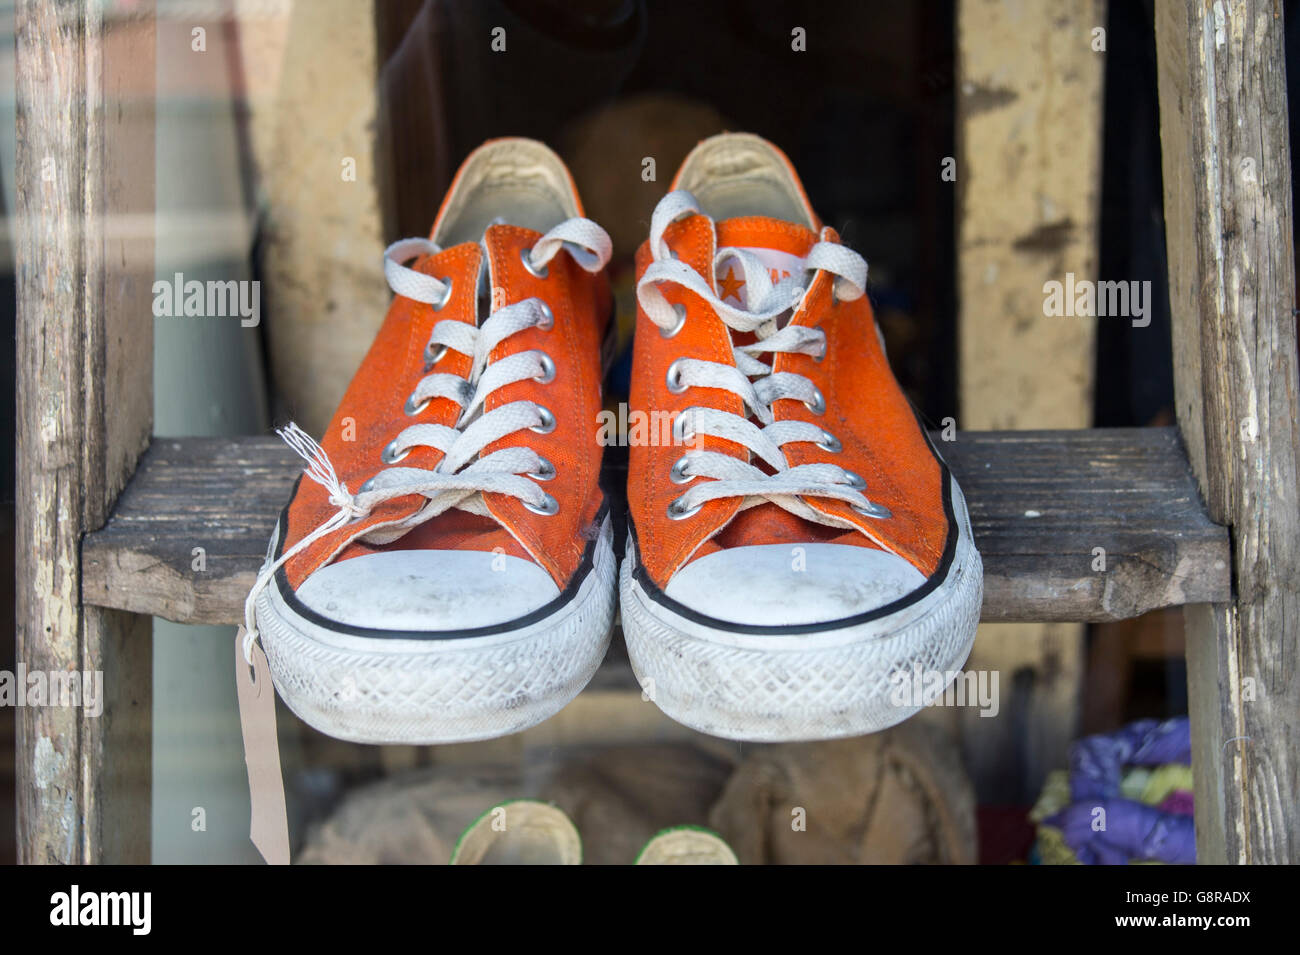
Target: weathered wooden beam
x=1228 y=222
x=84 y=412
x=1028 y=182
x=1072 y=525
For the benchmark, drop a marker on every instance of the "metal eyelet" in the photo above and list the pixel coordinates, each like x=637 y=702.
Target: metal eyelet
x=677 y=513
x=545 y=470
x=369 y=485
x=818 y=403
x=390 y=455
x=411 y=408
x=433 y=355
x=526 y=256
x=548 y=369
x=548 y=317
x=678 y=473
x=548 y=420
x=673 y=378
x=830 y=443
x=548 y=506
x=446 y=296
x=680 y=423
x=680 y=310
x=873 y=509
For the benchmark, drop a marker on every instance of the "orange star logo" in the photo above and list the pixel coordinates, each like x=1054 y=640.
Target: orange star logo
x=729 y=286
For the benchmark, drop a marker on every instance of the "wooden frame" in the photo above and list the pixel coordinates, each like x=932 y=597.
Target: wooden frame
x=84 y=418
x=1228 y=223
x=85 y=412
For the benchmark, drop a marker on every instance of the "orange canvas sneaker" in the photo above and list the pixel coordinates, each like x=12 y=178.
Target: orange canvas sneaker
x=798 y=552
x=465 y=588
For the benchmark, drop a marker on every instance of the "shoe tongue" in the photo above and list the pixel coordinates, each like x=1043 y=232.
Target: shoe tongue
x=781 y=246
x=484 y=284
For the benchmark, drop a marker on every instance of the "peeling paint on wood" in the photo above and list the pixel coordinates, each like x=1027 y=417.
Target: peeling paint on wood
x=84 y=347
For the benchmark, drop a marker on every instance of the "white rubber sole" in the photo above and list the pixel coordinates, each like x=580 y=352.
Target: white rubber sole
x=816 y=684
x=444 y=688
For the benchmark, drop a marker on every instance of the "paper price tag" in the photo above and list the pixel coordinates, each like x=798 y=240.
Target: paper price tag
x=269 y=829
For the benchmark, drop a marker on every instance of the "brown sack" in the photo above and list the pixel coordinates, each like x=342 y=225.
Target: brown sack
x=900 y=796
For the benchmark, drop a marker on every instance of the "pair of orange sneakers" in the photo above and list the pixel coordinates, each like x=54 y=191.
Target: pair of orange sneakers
x=797 y=550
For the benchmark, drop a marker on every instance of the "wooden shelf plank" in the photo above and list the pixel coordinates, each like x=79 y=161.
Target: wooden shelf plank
x=1041 y=503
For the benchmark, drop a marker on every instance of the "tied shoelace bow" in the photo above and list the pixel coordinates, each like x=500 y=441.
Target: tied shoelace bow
x=750 y=379
x=463 y=474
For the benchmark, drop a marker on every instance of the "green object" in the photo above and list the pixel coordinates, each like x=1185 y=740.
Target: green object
x=686 y=845
x=519 y=832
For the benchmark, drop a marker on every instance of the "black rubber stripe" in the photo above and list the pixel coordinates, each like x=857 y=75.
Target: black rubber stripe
x=541 y=613
x=941 y=572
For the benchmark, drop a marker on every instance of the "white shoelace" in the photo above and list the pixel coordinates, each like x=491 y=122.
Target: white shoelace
x=462 y=476
x=750 y=379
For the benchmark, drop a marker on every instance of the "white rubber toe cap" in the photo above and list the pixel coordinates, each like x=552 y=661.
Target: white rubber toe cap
x=427 y=590
x=780 y=584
